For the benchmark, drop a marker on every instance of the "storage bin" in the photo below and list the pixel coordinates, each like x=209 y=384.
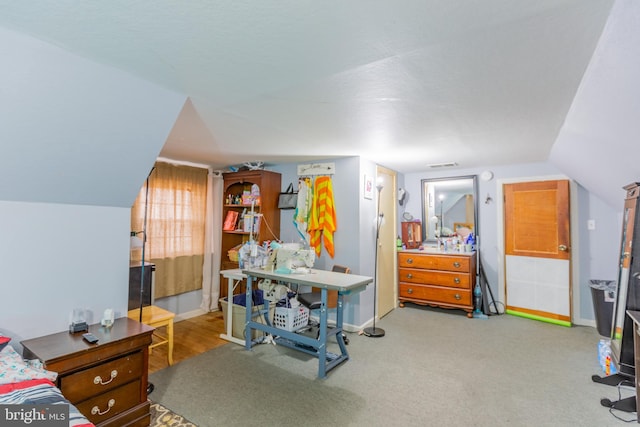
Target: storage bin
x=238 y=320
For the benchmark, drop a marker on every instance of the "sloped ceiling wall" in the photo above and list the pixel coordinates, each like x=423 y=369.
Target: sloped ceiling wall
x=599 y=144
x=74 y=131
x=405 y=83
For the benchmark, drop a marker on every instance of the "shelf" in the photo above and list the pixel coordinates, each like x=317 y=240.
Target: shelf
x=265 y=209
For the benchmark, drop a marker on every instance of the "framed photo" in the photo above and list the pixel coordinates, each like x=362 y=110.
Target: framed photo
x=368 y=187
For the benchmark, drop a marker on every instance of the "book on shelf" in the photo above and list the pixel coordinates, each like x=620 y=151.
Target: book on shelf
x=230 y=221
x=252 y=221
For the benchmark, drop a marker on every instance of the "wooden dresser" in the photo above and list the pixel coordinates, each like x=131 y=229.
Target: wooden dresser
x=106 y=381
x=440 y=279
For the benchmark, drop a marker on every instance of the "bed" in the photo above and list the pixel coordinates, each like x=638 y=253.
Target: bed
x=27 y=382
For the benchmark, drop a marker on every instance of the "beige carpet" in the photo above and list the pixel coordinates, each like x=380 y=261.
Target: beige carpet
x=432 y=368
x=164 y=417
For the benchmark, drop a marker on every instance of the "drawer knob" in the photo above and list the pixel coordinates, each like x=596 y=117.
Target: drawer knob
x=98 y=379
x=409 y=276
x=409 y=291
x=456 y=280
x=458 y=297
x=456 y=264
x=409 y=260
x=95 y=410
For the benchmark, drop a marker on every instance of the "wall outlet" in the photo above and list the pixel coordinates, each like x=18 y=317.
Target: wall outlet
x=591 y=224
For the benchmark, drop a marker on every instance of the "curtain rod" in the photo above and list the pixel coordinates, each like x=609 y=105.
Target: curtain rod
x=185 y=163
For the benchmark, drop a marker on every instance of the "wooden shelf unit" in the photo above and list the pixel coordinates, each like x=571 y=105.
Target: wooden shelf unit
x=270 y=187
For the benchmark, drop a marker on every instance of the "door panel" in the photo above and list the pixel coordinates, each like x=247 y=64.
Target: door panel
x=387 y=263
x=537 y=250
x=537 y=219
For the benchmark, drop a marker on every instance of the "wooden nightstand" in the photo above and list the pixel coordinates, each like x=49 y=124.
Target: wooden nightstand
x=106 y=381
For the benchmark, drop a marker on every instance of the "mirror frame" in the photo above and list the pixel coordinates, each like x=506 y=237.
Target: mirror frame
x=425 y=223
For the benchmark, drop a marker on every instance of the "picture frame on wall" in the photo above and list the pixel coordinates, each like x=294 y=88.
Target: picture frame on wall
x=368 y=187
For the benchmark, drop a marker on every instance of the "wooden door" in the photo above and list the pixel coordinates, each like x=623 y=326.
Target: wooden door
x=537 y=250
x=387 y=262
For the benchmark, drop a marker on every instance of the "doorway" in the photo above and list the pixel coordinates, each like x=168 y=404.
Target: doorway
x=387 y=261
x=535 y=240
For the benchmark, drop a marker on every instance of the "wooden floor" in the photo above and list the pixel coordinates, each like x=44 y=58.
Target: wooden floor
x=190 y=338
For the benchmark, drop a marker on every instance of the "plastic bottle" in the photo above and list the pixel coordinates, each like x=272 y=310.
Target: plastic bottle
x=399 y=243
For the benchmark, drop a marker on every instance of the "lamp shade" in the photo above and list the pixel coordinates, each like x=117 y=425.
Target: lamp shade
x=135 y=242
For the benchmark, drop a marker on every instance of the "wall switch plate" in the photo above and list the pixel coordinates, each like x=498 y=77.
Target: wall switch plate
x=591 y=224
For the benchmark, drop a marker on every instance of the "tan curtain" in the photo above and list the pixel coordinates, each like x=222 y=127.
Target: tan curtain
x=212 y=243
x=175 y=227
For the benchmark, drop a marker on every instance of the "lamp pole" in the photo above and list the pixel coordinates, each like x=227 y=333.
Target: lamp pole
x=150 y=386
x=441 y=197
x=373 y=331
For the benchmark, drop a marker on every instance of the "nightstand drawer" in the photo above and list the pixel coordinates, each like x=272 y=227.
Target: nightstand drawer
x=435 y=294
x=432 y=277
x=111 y=403
x=434 y=262
x=101 y=378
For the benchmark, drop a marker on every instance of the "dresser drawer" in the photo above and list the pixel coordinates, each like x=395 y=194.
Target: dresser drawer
x=137 y=416
x=434 y=277
x=111 y=403
x=99 y=379
x=434 y=262
x=436 y=294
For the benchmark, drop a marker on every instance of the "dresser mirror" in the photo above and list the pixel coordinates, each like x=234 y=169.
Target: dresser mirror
x=449 y=205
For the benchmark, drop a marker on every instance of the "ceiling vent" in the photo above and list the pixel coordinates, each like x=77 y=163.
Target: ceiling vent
x=442 y=165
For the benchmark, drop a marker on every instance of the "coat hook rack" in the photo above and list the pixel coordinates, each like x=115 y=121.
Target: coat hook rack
x=317 y=169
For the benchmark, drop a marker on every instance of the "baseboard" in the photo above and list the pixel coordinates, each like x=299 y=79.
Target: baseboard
x=347 y=327
x=584 y=322
x=539 y=318
x=189 y=315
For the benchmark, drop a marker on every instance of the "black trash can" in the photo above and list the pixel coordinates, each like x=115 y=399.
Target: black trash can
x=603 y=293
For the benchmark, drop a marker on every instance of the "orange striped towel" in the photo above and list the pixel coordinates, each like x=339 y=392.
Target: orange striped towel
x=323 y=216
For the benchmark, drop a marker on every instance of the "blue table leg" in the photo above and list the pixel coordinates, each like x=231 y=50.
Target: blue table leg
x=322 y=338
x=339 y=320
x=248 y=312
x=316 y=347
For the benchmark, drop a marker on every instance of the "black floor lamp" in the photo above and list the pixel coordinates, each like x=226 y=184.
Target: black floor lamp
x=150 y=386
x=373 y=331
x=142 y=243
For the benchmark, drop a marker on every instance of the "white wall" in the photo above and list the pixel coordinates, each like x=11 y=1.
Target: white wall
x=56 y=257
x=75 y=131
x=598 y=143
x=78 y=140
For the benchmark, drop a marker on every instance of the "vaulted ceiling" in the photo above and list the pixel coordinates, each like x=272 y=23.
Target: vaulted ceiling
x=402 y=83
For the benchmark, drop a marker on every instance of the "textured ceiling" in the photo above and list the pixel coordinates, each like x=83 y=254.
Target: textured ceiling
x=403 y=83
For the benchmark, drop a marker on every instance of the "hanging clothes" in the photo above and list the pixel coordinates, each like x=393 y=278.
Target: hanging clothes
x=323 y=216
x=302 y=214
